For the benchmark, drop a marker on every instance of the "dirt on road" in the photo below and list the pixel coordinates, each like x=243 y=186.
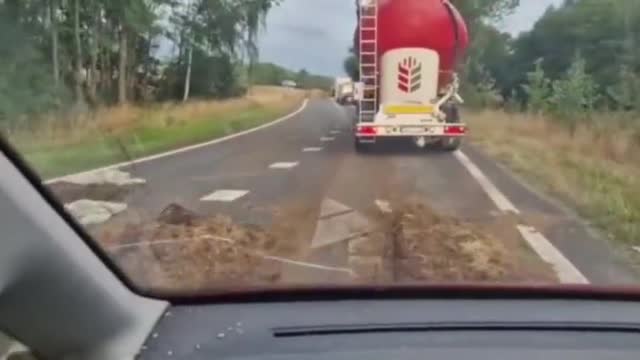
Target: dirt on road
x=68 y=192
x=429 y=247
x=184 y=251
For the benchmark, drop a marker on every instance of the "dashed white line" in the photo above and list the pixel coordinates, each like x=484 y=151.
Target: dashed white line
x=283 y=165
x=334 y=132
x=312 y=149
x=327 y=138
x=225 y=195
x=563 y=268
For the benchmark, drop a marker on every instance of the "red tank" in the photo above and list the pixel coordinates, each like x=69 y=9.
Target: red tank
x=431 y=24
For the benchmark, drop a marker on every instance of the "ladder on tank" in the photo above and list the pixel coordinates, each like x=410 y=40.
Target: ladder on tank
x=368 y=59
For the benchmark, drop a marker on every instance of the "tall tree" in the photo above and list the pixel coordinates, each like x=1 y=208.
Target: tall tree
x=122 y=64
x=77 y=78
x=53 y=24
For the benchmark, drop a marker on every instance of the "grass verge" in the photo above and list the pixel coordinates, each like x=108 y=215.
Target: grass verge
x=120 y=134
x=595 y=170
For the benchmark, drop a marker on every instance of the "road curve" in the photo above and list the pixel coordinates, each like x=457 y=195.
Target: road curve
x=305 y=165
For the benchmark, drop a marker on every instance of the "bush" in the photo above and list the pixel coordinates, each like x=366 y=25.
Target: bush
x=538 y=90
x=574 y=96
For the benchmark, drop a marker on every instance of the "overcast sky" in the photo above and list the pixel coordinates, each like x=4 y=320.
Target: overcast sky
x=298 y=33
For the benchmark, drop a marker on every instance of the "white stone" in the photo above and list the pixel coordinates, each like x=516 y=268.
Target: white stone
x=89 y=212
x=109 y=176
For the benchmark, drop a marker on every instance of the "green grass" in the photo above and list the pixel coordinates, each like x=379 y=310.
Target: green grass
x=579 y=170
x=56 y=160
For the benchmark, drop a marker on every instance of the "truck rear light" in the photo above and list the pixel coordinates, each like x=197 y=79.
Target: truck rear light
x=455 y=130
x=367 y=130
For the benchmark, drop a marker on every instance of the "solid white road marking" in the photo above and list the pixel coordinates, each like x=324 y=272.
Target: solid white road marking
x=186 y=148
x=498 y=198
x=283 y=165
x=312 y=149
x=327 y=138
x=564 y=269
x=566 y=272
x=225 y=195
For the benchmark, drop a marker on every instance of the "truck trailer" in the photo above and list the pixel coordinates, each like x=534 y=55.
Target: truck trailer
x=408 y=51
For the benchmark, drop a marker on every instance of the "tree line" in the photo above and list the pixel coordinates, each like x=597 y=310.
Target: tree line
x=579 y=58
x=81 y=53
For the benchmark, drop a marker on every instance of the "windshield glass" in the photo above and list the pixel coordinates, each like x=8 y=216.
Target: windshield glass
x=206 y=145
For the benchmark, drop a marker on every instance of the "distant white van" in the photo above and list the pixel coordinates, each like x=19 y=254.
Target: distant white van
x=289 y=84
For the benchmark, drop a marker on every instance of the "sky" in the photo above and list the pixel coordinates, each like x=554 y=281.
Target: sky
x=316 y=34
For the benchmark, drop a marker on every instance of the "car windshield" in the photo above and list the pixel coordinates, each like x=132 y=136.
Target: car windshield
x=219 y=144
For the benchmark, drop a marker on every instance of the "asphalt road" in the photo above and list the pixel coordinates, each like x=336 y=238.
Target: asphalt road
x=304 y=170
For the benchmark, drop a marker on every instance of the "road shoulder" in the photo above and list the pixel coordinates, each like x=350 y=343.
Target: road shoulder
x=598 y=259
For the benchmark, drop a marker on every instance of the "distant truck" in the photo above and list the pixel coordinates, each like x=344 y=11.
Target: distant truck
x=407 y=68
x=344 y=91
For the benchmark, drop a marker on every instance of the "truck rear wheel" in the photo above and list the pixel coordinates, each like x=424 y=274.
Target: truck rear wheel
x=453 y=117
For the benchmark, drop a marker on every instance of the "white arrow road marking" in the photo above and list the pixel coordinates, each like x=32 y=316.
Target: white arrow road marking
x=331 y=207
x=312 y=149
x=563 y=268
x=283 y=165
x=225 y=195
x=337 y=223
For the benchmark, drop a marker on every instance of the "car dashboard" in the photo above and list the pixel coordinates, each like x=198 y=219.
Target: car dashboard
x=399 y=330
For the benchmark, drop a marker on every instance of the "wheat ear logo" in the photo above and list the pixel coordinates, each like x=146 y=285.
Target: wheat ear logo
x=409 y=75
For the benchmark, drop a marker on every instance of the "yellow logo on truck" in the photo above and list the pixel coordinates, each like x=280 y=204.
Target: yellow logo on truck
x=408 y=109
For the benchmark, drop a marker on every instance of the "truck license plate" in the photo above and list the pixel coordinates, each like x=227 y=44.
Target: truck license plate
x=413 y=130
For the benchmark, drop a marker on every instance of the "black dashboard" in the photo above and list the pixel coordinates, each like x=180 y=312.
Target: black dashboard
x=399 y=330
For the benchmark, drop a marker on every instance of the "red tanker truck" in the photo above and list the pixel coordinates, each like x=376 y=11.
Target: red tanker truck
x=408 y=52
